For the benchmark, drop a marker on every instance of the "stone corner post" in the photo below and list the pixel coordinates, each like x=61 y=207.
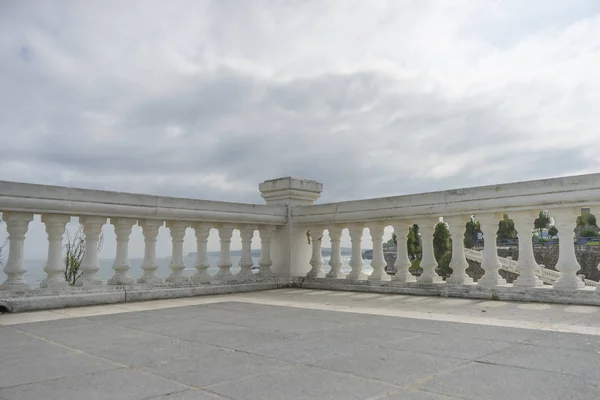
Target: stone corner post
x=291 y=251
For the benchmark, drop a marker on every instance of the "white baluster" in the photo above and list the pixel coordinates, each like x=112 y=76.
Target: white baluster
x=356 y=261
x=596 y=211
x=316 y=261
x=378 y=262
x=526 y=264
x=428 y=262
x=92 y=228
x=402 y=264
x=265 y=263
x=246 y=263
x=150 y=229
x=202 y=231
x=121 y=265
x=567 y=265
x=55 y=265
x=458 y=263
x=335 y=262
x=177 y=265
x=224 y=264
x=17 y=224
x=490 y=263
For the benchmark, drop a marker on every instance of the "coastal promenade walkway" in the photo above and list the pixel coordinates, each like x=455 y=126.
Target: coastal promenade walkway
x=303 y=344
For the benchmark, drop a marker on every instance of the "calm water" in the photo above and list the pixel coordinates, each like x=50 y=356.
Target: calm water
x=35 y=268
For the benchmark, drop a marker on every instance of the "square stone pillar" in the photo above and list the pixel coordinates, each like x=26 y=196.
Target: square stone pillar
x=290 y=249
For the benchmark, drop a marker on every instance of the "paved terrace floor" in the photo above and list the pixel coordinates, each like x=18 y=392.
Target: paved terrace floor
x=303 y=344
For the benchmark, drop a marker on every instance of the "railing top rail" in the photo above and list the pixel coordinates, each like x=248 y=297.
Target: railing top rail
x=576 y=191
x=16 y=196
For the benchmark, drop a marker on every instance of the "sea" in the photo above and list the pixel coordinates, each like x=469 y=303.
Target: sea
x=35 y=268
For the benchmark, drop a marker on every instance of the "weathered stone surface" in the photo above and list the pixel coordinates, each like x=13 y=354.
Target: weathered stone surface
x=366 y=356
x=544 y=294
x=43 y=299
x=302 y=383
x=119 y=384
x=496 y=382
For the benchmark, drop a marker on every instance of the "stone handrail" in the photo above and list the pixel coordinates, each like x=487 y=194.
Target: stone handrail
x=43 y=199
x=576 y=191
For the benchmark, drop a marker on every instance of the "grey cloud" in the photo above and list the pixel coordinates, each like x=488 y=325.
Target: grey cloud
x=364 y=133
x=288 y=131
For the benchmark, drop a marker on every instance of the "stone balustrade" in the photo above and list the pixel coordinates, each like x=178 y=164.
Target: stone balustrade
x=563 y=198
x=291 y=227
x=20 y=202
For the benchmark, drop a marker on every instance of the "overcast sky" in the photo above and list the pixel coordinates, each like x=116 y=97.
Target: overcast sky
x=206 y=99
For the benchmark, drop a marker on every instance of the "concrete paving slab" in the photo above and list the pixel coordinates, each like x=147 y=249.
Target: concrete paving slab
x=309 y=349
x=145 y=353
x=447 y=345
x=214 y=367
x=246 y=339
x=15 y=372
x=19 y=346
x=391 y=366
x=364 y=334
x=121 y=384
x=553 y=359
x=566 y=341
x=289 y=324
x=193 y=394
x=302 y=383
x=283 y=344
x=92 y=336
x=416 y=395
x=478 y=381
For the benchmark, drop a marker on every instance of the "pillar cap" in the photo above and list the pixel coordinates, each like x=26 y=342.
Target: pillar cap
x=290 y=190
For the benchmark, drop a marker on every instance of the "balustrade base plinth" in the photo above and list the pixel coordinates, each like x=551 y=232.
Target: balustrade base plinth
x=121 y=280
x=54 y=285
x=335 y=275
x=530 y=281
x=89 y=282
x=383 y=277
x=543 y=294
x=264 y=273
x=203 y=278
x=177 y=279
x=492 y=281
x=404 y=277
x=467 y=282
x=245 y=275
x=150 y=280
x=352 y=276
x=45 y=299
x=459 y=279
x=564 y=283
x=15 y=287
x=430 y=279
x=223 y=278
